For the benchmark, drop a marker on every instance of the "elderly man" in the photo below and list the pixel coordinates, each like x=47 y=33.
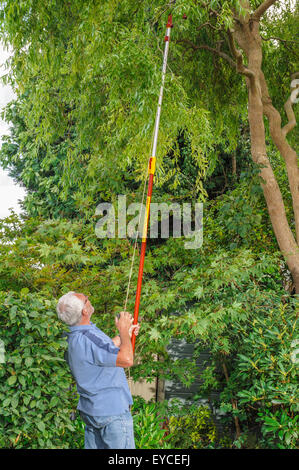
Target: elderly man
x=96 y=362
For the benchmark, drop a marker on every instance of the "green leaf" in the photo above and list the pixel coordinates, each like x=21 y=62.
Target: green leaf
x=24 y=291
x=41 y=426
x=12 y=379
x=28 y=361
x=14 y=402
x=52 y=358
x=6 y=402
x=22 y=380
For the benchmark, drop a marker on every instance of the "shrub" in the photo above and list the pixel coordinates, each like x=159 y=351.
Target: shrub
x=171 y=425
x=271 y=375
x=37 y=394
x=148 y=425
x=263 y=376
x=194 y=430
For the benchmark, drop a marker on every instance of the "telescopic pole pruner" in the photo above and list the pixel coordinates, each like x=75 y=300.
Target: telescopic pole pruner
x=151 y=173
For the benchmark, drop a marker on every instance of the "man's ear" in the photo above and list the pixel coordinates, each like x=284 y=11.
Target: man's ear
x=85 y=313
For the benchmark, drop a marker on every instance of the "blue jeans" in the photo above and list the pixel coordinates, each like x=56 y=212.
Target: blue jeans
x=109 y=432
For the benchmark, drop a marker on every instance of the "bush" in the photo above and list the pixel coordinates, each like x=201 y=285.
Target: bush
x=267 y=376
x=148 y=425
x=263 y=377
x=37 y=394
x=171 y=425
x=194 y=430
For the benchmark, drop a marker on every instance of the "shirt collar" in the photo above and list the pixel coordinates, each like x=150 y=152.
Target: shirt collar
x=81 y=327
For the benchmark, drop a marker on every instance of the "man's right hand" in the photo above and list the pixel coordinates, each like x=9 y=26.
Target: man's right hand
x=124 y=322
x=125 y=356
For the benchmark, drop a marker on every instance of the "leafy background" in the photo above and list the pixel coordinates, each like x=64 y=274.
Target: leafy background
x=87 y=76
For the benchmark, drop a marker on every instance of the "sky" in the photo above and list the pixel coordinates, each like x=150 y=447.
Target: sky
x=10 y=192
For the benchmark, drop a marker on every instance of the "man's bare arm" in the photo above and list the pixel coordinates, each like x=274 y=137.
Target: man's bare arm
x=125 y=356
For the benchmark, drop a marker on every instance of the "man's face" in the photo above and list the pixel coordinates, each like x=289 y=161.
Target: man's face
x=89 y=309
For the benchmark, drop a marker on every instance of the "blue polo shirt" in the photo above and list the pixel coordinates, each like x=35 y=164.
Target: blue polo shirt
x=102 y=386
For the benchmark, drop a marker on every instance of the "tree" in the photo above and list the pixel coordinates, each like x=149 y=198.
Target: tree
x=93 y=72
x=244 y=29
x=247 y=35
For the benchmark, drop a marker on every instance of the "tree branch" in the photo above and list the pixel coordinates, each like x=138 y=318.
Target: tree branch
x=262 y=9
x=164 y=8
x=209 y=8
x=239 y=58
x=287 y=43
x=196 y=47
x=207 y=23
x=279 y=39
x=289 y=109
x=290 y=157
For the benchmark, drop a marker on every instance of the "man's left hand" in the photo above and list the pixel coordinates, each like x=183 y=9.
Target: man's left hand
x=134 y=328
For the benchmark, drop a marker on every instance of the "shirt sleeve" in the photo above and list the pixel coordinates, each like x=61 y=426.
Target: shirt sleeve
x=104 y=352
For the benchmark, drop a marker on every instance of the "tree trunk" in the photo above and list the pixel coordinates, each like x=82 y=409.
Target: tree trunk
x=248 y=37
x=289 y=155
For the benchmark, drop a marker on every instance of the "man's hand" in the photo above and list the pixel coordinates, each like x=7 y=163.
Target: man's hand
x=124 y=322
x=125 y=356
x=134 y=328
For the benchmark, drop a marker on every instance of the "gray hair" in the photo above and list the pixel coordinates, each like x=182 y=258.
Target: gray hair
x=69 y=309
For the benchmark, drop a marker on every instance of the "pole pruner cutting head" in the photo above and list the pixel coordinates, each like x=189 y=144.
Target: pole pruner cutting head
x=169 y=22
